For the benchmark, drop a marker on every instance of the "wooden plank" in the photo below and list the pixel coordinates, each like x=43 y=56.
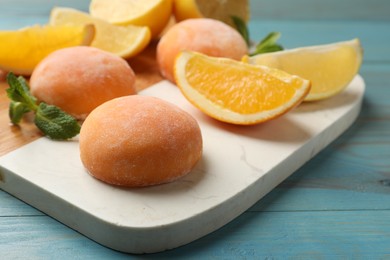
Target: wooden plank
x=41 y=237
x=347 y=175
x=11 y=206
x=266 y=235
x=321 y=10
x=263 y=9
x=298 y=235
x=38 y=7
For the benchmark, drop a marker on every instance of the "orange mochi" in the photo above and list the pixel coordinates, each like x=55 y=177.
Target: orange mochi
x=78 y=79
x=204 y=35
x=138 y=141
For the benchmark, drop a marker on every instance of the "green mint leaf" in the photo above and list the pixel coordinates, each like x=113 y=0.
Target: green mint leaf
x=241 y=28
x=270 y=48
x=19 y=91
x=51 y=120
x=55 y=123
x=17 y=111
x=268 y=44
x=270 y=39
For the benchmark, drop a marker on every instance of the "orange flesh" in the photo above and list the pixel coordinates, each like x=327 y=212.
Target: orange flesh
x=239 y=88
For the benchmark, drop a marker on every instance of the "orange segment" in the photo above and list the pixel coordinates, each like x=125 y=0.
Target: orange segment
x=236 y=92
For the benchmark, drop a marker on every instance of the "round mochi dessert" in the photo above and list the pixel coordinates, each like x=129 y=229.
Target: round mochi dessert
x=204 y=35
x=78 y=79
x=138 y=141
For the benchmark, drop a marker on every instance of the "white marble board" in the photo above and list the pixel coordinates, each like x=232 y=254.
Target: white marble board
x=240 y=164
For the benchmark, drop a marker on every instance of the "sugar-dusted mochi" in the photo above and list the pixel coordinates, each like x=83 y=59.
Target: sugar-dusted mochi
x=204 y=35
x=138 y=141
x=78 y=79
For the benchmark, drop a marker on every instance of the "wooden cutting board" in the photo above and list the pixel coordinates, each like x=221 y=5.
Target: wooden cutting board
x=12 y=137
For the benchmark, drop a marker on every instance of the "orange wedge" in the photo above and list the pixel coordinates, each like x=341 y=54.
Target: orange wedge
x=22 y=50
x=236 y=92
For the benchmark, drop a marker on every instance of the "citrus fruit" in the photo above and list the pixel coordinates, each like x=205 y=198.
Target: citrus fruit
x=329 y=67
x=237 y=92
x=207 y=36
x=124 y=41
x=152 y=13
x=219 y=10
x=21 y=50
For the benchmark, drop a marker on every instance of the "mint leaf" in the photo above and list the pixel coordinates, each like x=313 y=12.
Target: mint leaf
x=17 y=111
x=241 y=28
x=51 y=120
x=268 y=44
x=19 y=91
x=55 y=123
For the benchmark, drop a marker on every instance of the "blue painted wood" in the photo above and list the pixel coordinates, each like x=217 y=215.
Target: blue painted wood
x=11 y=206
x=337 y=206
x=377 y=10
x=266 y=235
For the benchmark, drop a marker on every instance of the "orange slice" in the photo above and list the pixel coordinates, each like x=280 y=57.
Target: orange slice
x=236 y=92
x=22 y=50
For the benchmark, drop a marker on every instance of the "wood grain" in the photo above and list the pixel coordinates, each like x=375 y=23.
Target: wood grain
x=14 y=136
x=269 y=235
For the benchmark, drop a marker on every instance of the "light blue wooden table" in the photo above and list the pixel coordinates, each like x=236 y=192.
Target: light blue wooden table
x=337 y=206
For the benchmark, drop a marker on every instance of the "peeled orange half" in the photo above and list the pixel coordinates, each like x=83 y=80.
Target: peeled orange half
x=237 y=92
x=329 y=67
x=22 y=50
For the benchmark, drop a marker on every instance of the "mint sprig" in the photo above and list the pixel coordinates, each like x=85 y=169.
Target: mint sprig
x=55 y=123
x=241 y=28
x=17 y=111
x=51 y=120
x=268 y=44
x=19 y=91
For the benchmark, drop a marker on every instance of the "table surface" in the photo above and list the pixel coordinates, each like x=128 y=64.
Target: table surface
x=335 y=206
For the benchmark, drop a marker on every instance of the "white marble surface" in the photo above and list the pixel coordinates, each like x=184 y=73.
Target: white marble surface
x=240 y=164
